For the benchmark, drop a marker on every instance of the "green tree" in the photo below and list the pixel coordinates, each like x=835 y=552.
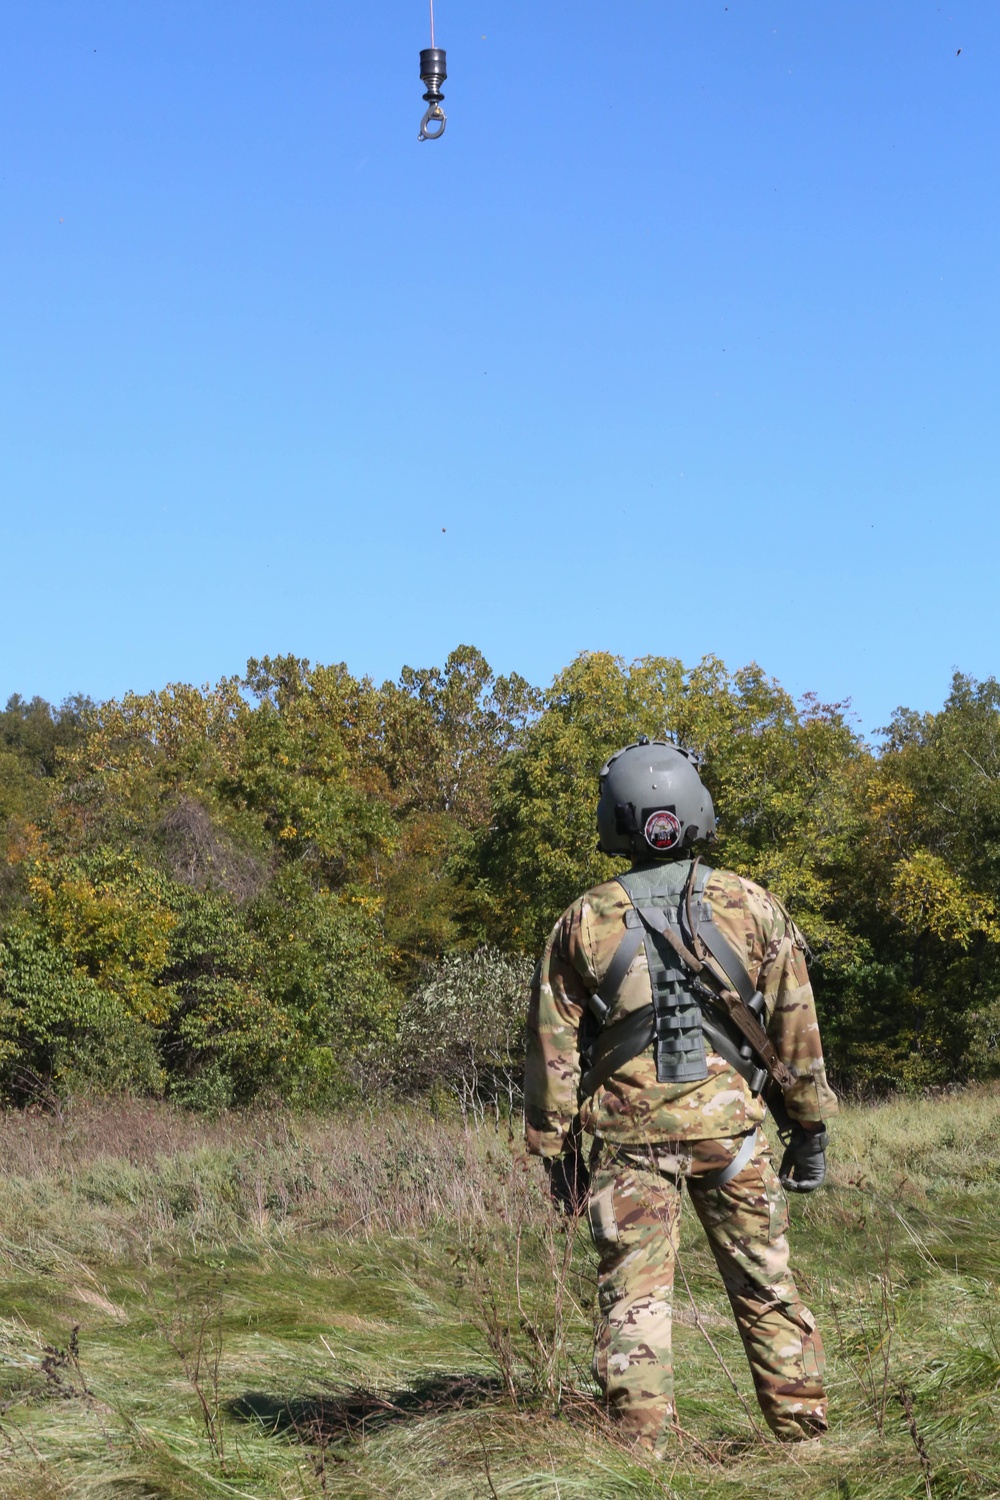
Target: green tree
x=780 y=777
x=33 y=734
x=921 y=1006
x=60 y=1030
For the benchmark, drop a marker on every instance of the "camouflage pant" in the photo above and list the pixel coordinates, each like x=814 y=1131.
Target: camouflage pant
x=634 y=1215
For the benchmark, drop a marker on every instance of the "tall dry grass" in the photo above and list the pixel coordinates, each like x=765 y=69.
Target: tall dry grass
x=382 y=1304
x=101 y=1176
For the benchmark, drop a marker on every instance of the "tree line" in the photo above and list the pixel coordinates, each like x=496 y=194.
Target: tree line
x=299 y=884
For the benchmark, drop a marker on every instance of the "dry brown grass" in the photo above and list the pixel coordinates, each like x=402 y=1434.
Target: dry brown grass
x=140 y=1169
x=382 y=1304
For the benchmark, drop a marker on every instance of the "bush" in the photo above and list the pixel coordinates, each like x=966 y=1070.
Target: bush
x=462 y=1030
x=60 y=1029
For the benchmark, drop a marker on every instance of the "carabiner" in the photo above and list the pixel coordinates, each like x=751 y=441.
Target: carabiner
x=435 y=115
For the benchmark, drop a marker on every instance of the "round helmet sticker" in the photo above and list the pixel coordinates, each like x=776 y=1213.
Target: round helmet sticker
x=662 y=830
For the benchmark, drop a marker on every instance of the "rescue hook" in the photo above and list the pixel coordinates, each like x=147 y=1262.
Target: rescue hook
x=433 y=72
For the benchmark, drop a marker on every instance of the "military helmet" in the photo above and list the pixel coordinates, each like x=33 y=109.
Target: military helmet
x=652 y=802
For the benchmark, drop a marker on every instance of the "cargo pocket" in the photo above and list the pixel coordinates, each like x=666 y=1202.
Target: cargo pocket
x=813 y=1360
x=601 y=1215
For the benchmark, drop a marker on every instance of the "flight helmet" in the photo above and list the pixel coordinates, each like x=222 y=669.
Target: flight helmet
x=652 y=802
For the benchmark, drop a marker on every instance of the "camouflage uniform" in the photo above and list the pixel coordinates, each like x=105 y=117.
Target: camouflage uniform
x=649 y=1137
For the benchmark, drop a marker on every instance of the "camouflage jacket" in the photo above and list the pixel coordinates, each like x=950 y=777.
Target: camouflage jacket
x=632 y=1108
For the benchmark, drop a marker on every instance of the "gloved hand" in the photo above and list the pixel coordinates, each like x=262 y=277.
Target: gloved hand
x=569 y=1181
x=803 y=1166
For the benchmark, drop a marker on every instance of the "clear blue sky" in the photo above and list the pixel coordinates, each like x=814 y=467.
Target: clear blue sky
x=683 y=340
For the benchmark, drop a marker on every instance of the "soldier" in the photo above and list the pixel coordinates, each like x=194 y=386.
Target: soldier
x=665 y=1004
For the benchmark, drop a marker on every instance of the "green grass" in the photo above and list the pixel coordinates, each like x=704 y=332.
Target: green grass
x=385 y=1307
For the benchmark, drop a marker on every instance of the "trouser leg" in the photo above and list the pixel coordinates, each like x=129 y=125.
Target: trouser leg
x=633 y=1215
x=746 y=1221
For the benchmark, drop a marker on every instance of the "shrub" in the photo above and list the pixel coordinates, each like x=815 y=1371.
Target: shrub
x=60 y=1029
x=462 y=1030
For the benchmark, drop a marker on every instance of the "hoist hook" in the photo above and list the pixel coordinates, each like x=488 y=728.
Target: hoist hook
x=434 y=115
x=433 y=72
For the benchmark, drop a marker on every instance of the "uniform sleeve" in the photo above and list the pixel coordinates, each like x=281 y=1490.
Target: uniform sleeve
x=793 y=1026
x=552 y=1064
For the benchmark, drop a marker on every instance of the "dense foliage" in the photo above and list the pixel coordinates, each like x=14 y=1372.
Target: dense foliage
x=279 y=885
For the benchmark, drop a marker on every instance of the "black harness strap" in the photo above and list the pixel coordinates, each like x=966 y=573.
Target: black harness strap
x=755 y=1077
x=728 y=959
x=741 y=1006
x=619 y=1044
x=624 y=1041
x=601 y=1003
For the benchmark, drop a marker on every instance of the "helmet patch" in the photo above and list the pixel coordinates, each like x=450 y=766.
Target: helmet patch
x=662 y=831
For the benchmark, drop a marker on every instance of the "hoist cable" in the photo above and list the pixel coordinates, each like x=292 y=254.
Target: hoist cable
x=432 y=22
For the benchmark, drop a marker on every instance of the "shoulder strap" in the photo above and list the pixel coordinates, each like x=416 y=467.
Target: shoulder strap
x=603 y=999
x=616 y=1046
x=727 y=958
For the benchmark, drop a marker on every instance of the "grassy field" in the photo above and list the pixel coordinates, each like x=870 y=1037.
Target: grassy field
x=270 y=1307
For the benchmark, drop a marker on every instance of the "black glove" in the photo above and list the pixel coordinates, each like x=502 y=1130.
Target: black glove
x=803 y=1165
x=569 y=1181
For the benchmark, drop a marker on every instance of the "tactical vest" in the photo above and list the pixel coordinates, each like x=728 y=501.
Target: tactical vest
x=675 y=1022
x=679 y=1042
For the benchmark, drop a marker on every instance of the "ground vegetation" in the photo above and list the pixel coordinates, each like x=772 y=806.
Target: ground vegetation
x=280 y=1305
